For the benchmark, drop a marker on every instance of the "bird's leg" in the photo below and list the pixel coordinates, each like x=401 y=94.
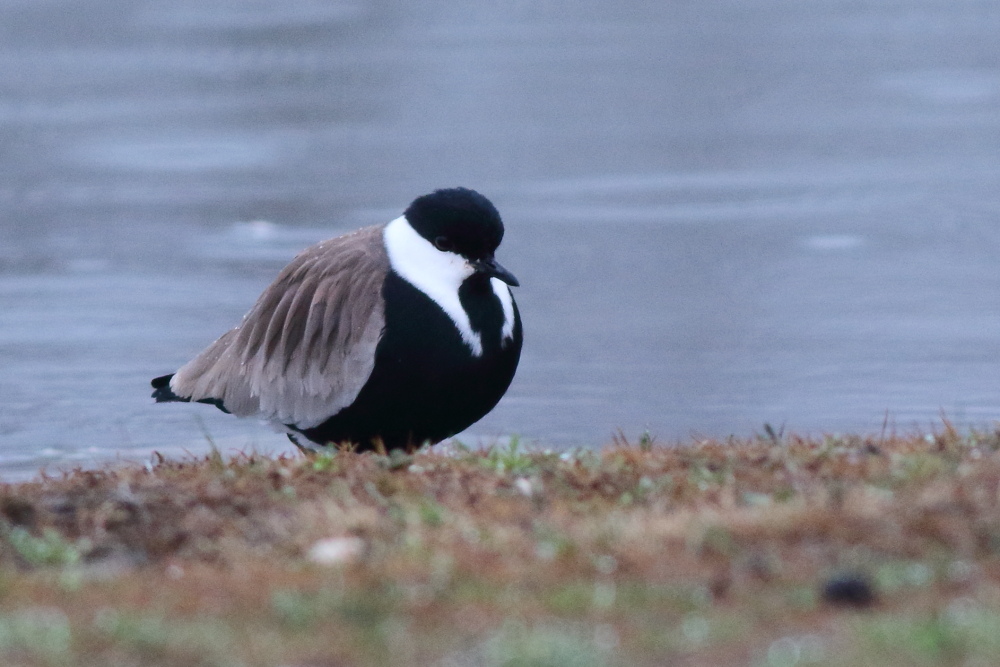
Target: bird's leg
x=304 y=450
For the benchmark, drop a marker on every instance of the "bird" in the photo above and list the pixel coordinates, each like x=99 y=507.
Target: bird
x=390 y=337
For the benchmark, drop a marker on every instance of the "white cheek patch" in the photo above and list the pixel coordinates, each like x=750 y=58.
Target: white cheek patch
x=437 y=274
x=507 y=303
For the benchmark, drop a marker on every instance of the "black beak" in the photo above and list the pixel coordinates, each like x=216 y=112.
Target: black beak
x=490 y=267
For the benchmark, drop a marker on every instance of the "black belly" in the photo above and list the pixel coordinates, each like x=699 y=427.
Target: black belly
x=426 y=384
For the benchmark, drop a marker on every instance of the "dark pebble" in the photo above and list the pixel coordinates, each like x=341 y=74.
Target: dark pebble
x=851 y=589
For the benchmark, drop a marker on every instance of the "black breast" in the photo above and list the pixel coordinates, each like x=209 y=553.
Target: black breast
x=427 y=385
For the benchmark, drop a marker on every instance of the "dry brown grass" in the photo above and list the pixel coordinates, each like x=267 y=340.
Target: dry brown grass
x=769 y=551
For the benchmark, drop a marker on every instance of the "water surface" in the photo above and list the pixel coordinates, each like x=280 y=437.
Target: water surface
x=722 y=213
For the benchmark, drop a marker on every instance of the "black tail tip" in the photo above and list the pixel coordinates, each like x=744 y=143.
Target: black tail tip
x=161 y=389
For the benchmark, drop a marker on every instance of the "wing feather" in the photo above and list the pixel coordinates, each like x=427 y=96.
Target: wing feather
x=307 y=346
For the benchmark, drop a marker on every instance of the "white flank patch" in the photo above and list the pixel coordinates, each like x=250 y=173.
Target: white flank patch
x=437 y=274
x=507 y=302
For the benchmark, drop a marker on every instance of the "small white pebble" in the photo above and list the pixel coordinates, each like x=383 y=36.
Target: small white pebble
x=336 y=550
x=523 y=485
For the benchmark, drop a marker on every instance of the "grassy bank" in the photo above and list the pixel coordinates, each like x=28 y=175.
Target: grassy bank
x=771 y=551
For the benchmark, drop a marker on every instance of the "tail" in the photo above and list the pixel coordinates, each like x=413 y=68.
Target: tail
x=164 y=394
x=162 y=391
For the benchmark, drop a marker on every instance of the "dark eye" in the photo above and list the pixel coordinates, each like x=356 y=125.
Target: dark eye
x=444 y=244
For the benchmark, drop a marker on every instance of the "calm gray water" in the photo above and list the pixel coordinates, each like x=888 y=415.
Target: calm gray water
x=723 y=213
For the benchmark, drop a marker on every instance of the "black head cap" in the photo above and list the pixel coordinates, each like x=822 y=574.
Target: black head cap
x=461 y=219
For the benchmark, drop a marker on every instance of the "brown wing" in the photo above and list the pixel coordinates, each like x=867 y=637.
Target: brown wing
x=307 y=346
